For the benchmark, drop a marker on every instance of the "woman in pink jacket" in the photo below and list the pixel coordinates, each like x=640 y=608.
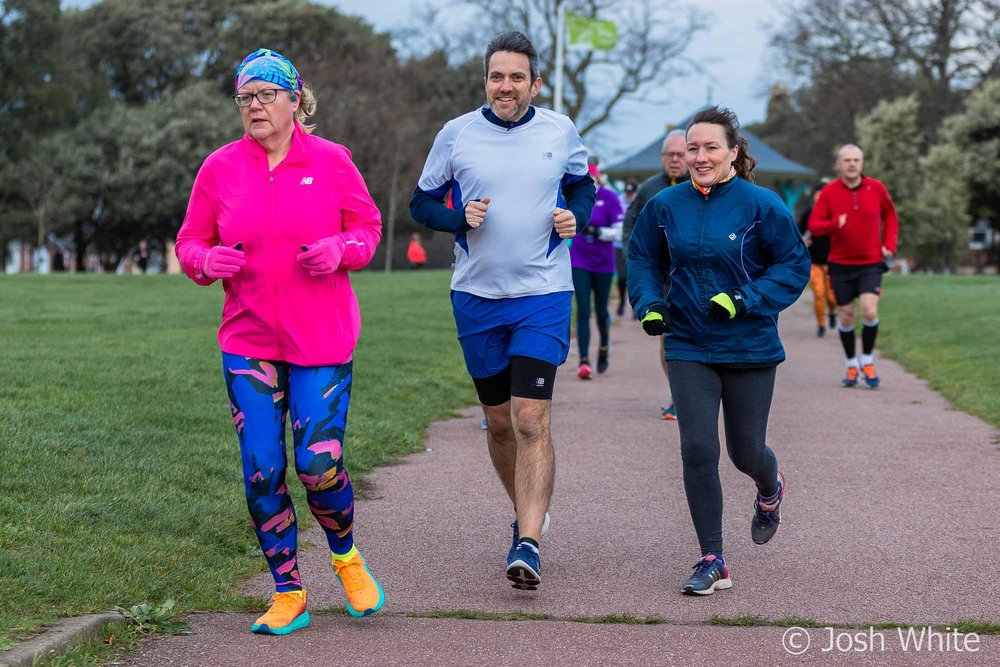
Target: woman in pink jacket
x=281 y=216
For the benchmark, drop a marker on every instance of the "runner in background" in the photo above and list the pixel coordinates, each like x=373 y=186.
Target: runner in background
x=824 y=302
x=858 y=214
x=675 y=170
x=593 y=259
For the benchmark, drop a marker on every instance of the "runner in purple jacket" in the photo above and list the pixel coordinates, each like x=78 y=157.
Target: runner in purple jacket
x=593 y=259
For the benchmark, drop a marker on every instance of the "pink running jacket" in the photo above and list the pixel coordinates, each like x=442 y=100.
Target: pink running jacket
x=273 y=308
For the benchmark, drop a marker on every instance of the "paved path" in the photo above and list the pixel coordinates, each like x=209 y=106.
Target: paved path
x=890 y=516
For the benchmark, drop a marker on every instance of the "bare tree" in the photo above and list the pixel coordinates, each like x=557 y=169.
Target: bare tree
x=948 y=46
x=652 y=38
x=387 y=111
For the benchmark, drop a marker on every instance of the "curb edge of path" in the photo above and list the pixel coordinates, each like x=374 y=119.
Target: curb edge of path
x=57 y=639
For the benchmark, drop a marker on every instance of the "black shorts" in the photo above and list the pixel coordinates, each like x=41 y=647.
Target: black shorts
x=526 y=377
x=852 y=280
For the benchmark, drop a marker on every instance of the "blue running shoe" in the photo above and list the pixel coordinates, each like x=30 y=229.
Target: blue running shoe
x=485 y=426
x=517 y=537
x=764 y=523
x=669 y=414
x=851 y=379
x=524 y=568
x=710 y=574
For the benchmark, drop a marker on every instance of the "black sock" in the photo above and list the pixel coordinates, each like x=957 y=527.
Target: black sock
x=868 y=334
x=847 y=340
x=528 y=540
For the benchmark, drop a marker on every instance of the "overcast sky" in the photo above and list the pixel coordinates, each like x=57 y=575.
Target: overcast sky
x=732 y=52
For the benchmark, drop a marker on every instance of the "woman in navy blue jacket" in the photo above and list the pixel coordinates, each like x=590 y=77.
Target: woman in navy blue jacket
x=735 y=260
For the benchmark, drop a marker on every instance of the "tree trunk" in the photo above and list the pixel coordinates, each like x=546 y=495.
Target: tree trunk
x=393 y=205
x=80 y=245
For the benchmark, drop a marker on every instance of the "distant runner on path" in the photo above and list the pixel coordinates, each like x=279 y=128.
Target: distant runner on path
x=736 y=260
x=824 y=304
x=518 y=180
x=675 y=171
x=858 y=214
x=592 y=256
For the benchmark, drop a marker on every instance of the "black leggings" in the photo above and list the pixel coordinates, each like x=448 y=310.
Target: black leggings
x=745 y=394
x=583 y=282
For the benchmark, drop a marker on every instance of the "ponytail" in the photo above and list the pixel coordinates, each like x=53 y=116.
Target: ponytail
x=744 y=162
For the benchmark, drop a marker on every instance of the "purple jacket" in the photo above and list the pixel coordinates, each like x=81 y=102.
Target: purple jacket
x=587 y=251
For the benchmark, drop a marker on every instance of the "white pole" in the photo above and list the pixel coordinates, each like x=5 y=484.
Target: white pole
x=557 y=103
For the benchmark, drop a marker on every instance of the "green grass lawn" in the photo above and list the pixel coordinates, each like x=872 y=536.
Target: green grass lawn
x=120 y=479
x=946 y=329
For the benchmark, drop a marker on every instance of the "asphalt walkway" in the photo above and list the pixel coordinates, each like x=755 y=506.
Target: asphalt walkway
x=890 y=517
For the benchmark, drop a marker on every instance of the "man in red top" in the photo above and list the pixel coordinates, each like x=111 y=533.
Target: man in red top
x=858 y=214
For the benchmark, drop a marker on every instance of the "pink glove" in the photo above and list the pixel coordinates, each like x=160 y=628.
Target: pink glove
x=323 y=257
x=223 y=262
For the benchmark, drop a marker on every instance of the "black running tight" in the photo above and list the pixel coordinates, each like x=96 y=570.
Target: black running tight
x=745 y=396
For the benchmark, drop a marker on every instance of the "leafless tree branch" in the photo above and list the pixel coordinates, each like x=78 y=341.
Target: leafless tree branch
x=652 y=37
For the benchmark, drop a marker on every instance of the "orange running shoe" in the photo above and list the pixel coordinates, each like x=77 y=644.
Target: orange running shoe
x=871 y=378
x=364 y=595
x=287 y=614
x=852 y=377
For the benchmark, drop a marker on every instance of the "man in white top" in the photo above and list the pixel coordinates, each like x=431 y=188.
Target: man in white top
x=517 y=175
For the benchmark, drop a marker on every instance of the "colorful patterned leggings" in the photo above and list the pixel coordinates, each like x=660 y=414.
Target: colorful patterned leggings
x=260 y=395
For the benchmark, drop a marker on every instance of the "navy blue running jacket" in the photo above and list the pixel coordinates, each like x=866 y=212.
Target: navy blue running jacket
x=738 y=237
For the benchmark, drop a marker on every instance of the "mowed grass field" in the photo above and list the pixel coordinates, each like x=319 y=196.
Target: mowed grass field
x=946 y=329
x=120 y=475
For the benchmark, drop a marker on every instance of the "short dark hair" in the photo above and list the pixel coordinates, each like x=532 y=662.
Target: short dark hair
x=514 y=41
x=725 y=117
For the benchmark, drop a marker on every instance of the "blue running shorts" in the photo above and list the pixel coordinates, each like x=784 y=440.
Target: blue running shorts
x=491 y=331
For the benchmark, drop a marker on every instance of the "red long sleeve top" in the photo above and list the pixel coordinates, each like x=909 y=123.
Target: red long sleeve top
x=871 y=221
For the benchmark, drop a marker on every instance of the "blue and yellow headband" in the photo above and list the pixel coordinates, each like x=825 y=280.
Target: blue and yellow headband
x=268 y=65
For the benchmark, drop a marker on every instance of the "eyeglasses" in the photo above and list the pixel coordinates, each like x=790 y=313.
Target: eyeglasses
x=673 y=154
x=265 y=96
